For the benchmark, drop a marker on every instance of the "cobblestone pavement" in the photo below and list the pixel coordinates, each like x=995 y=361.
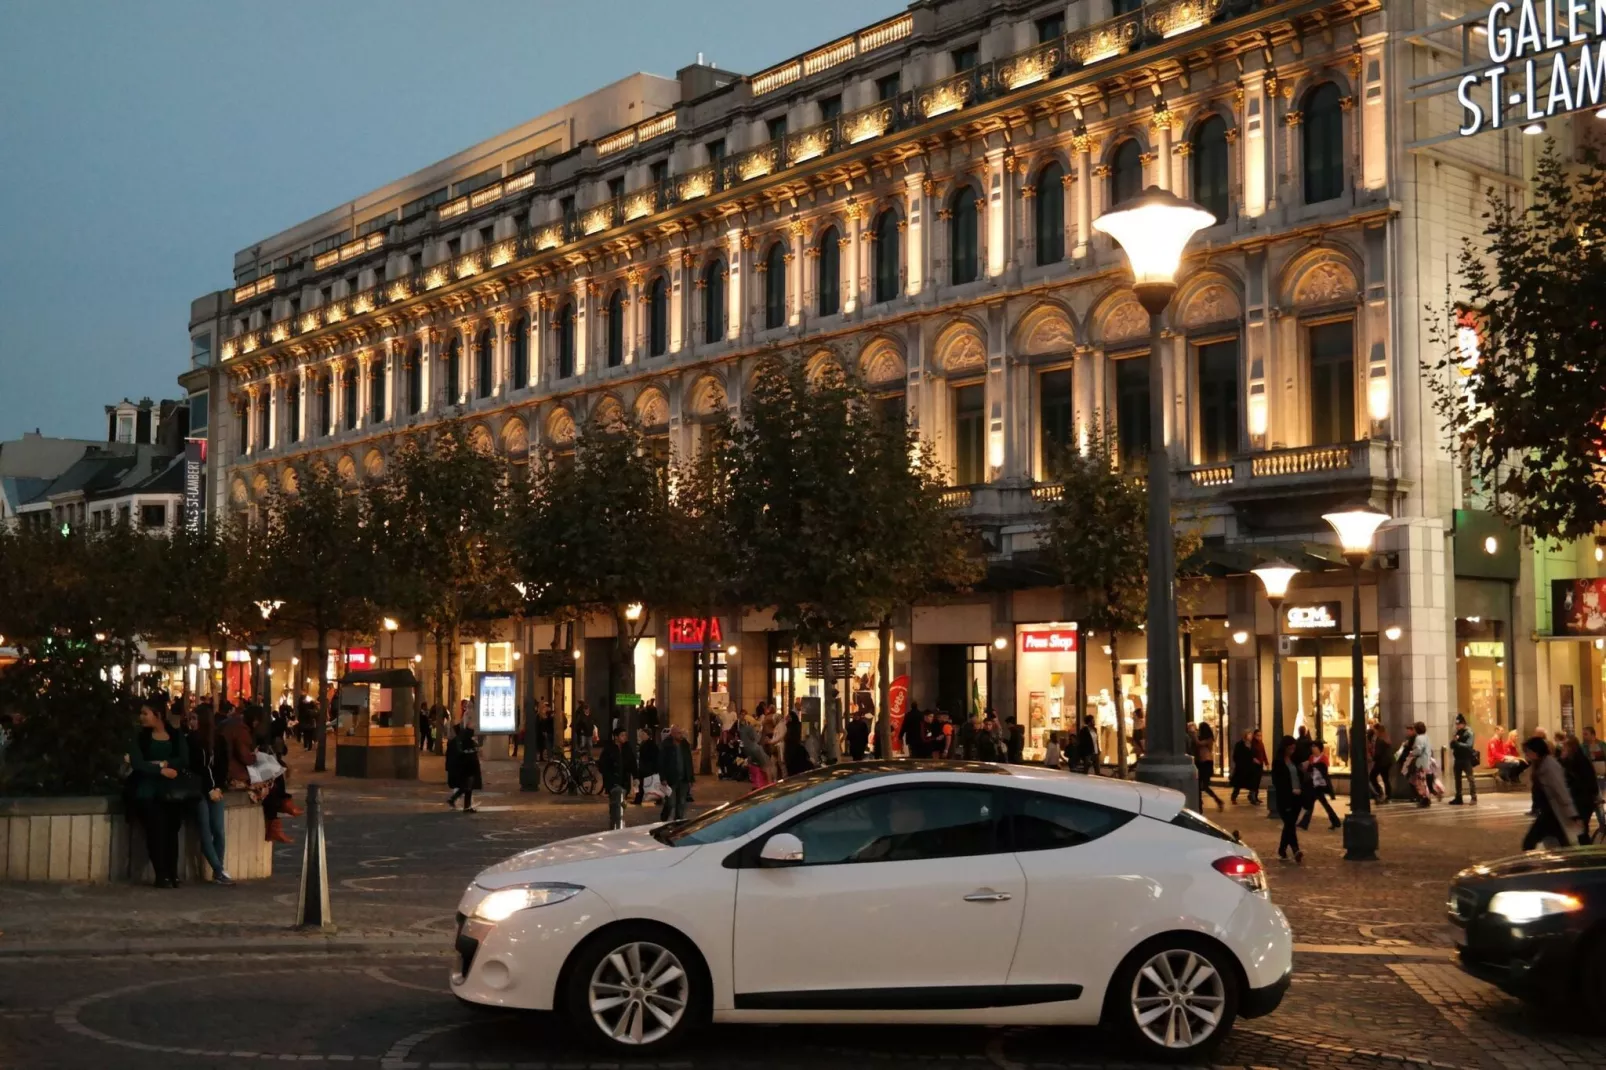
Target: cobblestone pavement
x=220 y=982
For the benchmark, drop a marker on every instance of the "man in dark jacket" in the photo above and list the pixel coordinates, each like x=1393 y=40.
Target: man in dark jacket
x=616 y=764
x=1462 y=750
x=858 y=735
x=1087 y=746
x=675 y=770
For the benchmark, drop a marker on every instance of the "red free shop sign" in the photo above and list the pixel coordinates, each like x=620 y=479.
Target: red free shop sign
x=1048 y=641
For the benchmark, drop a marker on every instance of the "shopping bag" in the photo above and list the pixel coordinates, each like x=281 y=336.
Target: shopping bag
x=265 y=769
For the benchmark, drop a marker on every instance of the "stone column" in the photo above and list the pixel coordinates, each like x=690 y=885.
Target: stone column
x=426 y=369
x=501 y=373
x=681 y=264
x=1161 y=121
x=1254 y=162
x=252 y=399
x=1182 y=176
x=997 y=198
x=1243 y=661
x=917 y=254
x=303 y=384
x=852 y=263
x=794 y=273
x=582 y=305
x=737 y=243
x=536 y=304
x=1085 y=147
x=364 y=373
x=393 y=371
x=633 y=316
x=1416 y=671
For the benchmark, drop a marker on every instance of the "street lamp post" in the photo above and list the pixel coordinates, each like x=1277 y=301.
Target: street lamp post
x=1275 y=577
x=391 y=624
x=1356 y=525
x=1152 y=229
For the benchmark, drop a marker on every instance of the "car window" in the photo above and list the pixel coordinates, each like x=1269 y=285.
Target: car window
x=1047 y=822
x=743 y=815
x=900 y=826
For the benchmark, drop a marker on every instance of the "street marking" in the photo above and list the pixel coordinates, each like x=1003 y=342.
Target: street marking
x=1396 y=951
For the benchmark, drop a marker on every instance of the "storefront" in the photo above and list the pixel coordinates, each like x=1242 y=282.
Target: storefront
x=1046 y=657
x=1318 y=674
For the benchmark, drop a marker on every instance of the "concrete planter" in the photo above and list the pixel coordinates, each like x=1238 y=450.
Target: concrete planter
x=88 y=839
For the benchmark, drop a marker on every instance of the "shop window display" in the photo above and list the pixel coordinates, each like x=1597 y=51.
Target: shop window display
x=1481 y=676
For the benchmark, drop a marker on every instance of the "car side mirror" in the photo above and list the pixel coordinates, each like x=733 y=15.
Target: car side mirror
x=781 y=849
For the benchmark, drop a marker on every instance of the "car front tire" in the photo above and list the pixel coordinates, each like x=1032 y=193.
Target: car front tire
x=637 y=989
x=1174 y=998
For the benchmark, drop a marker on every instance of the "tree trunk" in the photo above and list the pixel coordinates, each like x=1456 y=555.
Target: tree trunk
x=831 y=712
x=883 y=721
x=624 y=676
x=321 y=762
x=705 y=715
x=451 y=666
x=1120 y=707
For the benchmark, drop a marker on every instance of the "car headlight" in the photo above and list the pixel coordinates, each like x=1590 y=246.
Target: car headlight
x=1531 y=906
x=505 y=902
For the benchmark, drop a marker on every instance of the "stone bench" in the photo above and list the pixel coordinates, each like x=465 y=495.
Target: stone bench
x=88 y=839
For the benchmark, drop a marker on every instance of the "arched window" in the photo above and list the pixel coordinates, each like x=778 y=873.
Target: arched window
x=1049 y=204
x=484 y=351
x=616 y=329
x=519 y=340
x=887 y=255
x=377 y=371
x=962 y=253
x=714 y=302
x=350 y=401
x=415 y=380
x=566 y=341
x=326 y=407
x=1126 y=172
x=830 y=288
x=1210 y=166
x=658 y=317
x=454 y=370
x=775 y=287
x=1324 y=144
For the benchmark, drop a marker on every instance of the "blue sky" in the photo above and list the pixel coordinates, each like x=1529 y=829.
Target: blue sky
x=143 y=143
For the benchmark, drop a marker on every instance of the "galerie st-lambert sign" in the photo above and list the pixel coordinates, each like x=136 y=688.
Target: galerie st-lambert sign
x=1520 y=73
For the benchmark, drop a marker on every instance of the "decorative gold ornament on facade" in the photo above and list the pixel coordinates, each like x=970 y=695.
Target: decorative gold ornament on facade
x=1293 y=118
x=1168 y=18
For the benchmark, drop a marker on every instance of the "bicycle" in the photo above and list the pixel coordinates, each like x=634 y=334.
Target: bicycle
x=558 y=775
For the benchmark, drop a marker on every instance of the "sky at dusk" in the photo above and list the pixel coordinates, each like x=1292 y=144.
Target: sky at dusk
x=143 y=143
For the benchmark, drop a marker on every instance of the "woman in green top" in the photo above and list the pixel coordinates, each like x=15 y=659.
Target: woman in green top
x=157 y=757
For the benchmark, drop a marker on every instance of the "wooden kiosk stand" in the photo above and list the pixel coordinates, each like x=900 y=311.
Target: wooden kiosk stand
x=376 y=724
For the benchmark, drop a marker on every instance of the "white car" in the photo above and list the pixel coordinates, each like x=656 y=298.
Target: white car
x=890 y=892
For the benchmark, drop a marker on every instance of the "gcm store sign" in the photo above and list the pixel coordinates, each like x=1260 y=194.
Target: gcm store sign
x=1519 y=36
x=1321 y=617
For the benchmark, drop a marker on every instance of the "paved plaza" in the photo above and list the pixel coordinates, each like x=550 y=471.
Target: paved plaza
x=143 y=979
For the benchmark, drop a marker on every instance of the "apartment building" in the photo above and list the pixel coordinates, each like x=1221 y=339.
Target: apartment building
x=913 y=202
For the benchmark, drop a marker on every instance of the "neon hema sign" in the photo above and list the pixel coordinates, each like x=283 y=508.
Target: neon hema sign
x=1521 y=73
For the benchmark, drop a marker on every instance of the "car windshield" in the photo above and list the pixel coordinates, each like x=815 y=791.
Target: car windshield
x=741 y=816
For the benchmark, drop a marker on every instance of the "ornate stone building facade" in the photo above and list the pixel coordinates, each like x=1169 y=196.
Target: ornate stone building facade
x=913 y=202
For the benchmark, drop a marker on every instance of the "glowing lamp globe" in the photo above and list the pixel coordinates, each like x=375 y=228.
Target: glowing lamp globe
x=1356 y=525
x=1275 y=577
x=1152 y=229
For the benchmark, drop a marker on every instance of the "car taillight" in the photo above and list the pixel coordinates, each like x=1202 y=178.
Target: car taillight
x=1246 y=871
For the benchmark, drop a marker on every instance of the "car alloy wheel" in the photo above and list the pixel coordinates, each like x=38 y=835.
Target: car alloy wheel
x=638 y=993
x=1178 y=999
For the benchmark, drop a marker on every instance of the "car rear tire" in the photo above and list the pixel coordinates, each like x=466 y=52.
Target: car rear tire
x=637 y=989
x=1174 y=998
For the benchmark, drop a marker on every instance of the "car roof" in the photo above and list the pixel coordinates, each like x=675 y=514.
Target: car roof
x=1162 y=803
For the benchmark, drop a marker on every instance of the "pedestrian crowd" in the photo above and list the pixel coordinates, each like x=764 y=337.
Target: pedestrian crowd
x=182 y=762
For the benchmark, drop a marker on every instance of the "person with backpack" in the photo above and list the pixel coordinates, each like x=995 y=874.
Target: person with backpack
x=1464 y=755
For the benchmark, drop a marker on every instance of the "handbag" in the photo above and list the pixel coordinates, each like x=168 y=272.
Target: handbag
x=185 y=787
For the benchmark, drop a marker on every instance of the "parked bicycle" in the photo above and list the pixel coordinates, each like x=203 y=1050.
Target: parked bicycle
x=561 y=775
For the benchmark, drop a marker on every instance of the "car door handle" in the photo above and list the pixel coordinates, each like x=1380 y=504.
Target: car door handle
x=988 y=897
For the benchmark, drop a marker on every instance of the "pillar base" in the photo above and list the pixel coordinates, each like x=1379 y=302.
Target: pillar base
x=1360 y=838
x=1171 y=771
x=529 y=778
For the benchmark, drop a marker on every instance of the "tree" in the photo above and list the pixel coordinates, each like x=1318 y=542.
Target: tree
x=595 y=536
x=319 y=565
x=828 y=511
x=438 y=528
x=1521 y=383
x=1095 y=535
x=705 y=545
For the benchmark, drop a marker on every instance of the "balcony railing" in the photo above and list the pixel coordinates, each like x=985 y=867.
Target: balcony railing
x=1303 y=459
x=956 y=498
x=1082 y=48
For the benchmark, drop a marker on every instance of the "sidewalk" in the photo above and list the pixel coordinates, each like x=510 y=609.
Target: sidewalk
x=398 y=862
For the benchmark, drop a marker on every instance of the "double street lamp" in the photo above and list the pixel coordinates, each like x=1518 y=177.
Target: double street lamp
x=1153 y=229
x=1275 y=577
x=1356 y=526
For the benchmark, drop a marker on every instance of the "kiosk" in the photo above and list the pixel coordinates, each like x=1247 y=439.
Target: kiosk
x=376 y=725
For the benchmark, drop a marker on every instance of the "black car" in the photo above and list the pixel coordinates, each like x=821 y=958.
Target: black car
x=1535 y=925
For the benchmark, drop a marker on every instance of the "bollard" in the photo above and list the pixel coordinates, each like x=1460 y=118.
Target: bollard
x=312 y=904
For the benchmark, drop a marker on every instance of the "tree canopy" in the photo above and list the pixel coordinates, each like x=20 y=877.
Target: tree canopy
x=1520 y=383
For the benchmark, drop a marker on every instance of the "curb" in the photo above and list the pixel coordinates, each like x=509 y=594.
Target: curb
x=328 y=945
